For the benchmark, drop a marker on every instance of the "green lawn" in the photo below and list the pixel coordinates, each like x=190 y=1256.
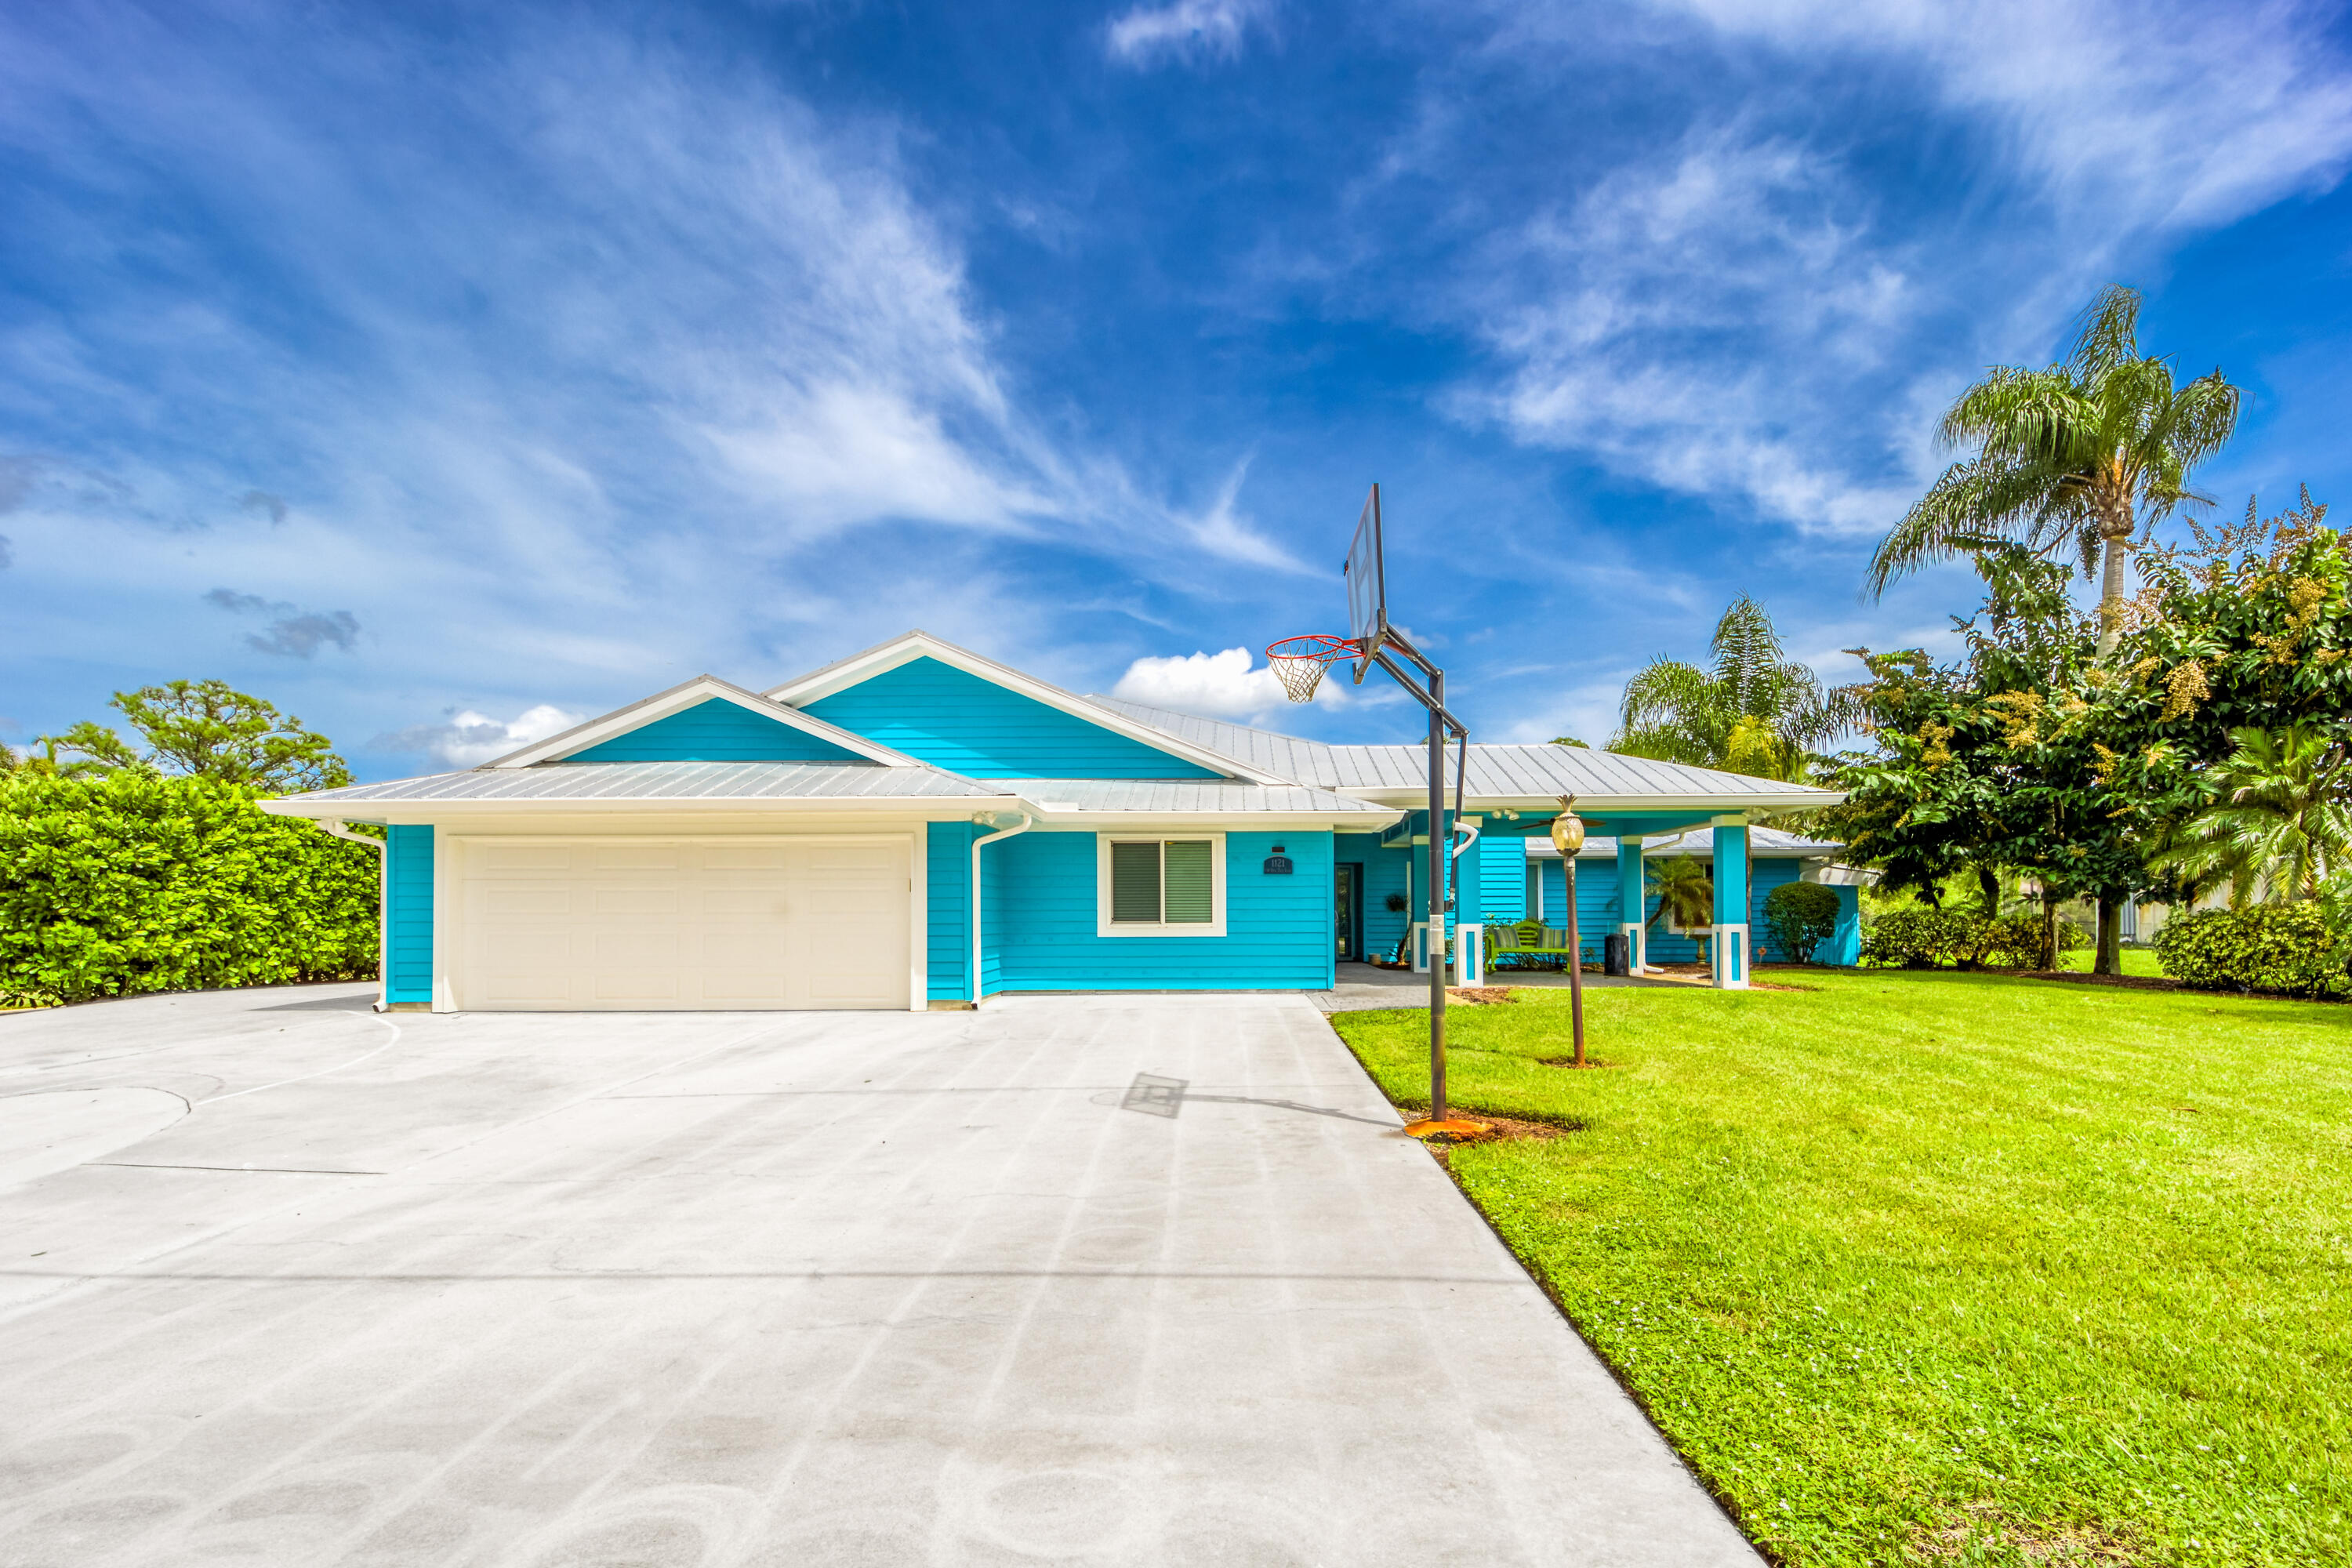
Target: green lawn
x=1944 y=1267
x=2135 y=961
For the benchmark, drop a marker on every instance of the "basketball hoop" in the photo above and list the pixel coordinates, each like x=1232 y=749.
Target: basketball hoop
x=1299 y=663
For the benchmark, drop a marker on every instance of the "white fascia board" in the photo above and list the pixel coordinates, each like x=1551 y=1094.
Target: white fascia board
x=679 y=698
x=1417 y=798
x=931 y=807
x=1136 y=821
x=885 y=657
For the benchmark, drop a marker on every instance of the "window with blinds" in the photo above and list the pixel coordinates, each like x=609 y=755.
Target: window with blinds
x=1166 y=882
x=1135 y=883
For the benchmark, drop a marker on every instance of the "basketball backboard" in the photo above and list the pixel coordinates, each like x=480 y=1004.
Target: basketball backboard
x=1367 y=588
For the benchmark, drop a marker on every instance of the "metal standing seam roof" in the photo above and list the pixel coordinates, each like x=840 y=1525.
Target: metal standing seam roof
x=1184 y=795
x=1508 y=770
x=672 y=781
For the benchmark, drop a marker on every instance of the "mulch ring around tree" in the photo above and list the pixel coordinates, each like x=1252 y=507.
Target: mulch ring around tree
x=2078 y=977
x=1478 y=995
x=1499 y=1129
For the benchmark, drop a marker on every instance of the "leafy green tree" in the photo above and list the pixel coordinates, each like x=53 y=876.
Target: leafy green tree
x=1997 y=761
x=1757 y=711
x=204 y=729
x=2082 y=455
x=2282 y=821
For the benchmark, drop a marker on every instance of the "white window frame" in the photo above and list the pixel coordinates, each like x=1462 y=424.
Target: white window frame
x=1105 y=926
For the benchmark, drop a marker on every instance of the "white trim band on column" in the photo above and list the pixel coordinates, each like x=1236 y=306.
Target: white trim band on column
x=1723 y=935
x=1469 y=954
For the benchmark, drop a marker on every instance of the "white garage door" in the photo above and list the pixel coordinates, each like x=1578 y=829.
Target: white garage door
x=630 y=924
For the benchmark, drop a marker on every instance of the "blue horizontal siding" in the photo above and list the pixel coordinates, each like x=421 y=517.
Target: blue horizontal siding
x=956 y=721
x=1502 y=878
x=947 y=932
x=716 y=731
x=1038 y=897
x=408 y=913
x=1596 y=900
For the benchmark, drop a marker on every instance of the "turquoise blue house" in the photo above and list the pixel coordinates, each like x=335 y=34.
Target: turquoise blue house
x=919 y=826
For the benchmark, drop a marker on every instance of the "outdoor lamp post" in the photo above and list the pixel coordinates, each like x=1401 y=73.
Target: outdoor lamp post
x=1567 y=837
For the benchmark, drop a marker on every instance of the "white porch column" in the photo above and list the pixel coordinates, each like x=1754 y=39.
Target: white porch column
x=1730 y=834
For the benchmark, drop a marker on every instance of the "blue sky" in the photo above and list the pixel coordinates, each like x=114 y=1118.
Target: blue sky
x=446 y=372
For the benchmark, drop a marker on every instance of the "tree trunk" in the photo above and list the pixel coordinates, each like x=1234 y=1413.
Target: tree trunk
x=1989 y=884
x=2049 y=928
x=2114 y=536
x=2110 y=958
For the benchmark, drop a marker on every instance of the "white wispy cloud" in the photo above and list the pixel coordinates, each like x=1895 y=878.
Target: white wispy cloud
x=2127 y=112
x=1146 y=35
x=587 y=354
x=467 y=739
x=1735 y=317
x=1227 y=685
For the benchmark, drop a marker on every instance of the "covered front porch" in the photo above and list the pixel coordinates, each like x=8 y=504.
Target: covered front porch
x=1382 y=901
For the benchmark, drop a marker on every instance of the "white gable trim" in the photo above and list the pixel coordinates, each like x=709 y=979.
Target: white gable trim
x=886 y=657
x=678 y=700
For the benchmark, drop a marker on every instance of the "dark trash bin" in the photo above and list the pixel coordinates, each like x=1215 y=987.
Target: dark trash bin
x=1616 y=955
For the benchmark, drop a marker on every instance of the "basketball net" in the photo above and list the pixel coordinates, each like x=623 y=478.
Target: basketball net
x=1300 y=663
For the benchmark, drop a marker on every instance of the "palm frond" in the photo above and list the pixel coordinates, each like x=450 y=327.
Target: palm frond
x=2106 y=333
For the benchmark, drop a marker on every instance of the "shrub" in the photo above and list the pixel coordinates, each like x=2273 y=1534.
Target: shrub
x=1800 y=916
x=2276 y=947
x=134 y=882
x=1923 y=939
x=1929 y=939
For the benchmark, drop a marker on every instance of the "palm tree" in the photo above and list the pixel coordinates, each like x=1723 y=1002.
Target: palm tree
x=1687 y=892
x=2081 y=453
x=1758 y=712
x=2282 y=823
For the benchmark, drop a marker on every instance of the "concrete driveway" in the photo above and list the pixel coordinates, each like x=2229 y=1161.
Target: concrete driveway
x=790 y=1290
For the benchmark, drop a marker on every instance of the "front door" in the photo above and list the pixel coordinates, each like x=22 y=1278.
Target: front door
x=1347 y=910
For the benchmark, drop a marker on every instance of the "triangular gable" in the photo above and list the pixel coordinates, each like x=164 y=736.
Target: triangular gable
x=705 y=720
x=954 y=709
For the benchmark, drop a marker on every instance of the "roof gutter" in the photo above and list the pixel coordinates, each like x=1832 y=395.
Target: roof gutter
x=1589 y=806
x=333 y=826
x=432 y=808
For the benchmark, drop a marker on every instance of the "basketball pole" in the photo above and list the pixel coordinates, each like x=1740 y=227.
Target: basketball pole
x=1301 y=662
x=1441 y=724
x=1438 y=888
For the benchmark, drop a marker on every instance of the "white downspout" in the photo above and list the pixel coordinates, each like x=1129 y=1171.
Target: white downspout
x=335 y=828
x=1027 y=822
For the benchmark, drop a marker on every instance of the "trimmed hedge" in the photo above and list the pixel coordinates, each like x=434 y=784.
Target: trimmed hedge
x=136 y=882
x=2287 y=948
x=1929 y=939
x=1800 y=916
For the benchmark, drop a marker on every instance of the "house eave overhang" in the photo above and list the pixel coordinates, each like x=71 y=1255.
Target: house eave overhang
x=882 y=658
x=936 y=807
x=1218 y=821
x=1417 y=798
x=678 y=698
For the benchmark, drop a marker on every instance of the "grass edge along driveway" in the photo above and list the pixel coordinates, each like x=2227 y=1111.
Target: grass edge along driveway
x=1925 y=1268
